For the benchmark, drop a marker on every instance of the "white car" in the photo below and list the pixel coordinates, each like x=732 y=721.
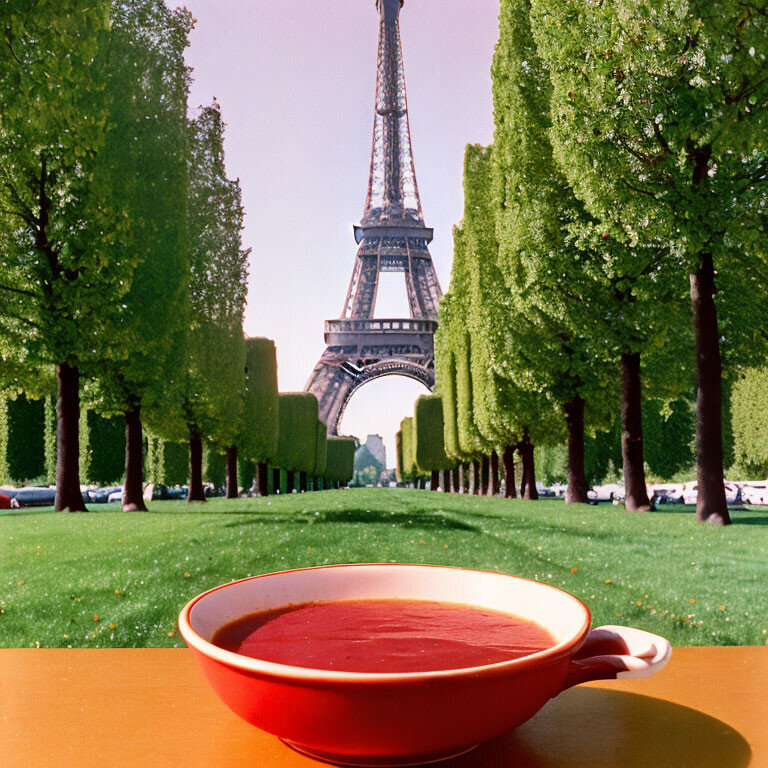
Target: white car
x=607 y=492
x=690 y=492
x=755 y=493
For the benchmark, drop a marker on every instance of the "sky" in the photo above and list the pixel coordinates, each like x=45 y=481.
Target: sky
x=295 y=80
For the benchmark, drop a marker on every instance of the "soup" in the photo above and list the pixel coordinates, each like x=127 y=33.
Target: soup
x=383 y=636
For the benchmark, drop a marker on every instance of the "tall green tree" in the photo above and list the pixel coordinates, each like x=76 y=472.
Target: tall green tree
x=453 y=359
x=204 y=397
x=660 y=112
x=61 y=288
x=260 y=415
x=147 y=175
x=297 y=434
x=510 y=417
x=541 y=265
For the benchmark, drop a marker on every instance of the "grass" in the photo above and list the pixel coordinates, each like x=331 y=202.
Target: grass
x=114 y=579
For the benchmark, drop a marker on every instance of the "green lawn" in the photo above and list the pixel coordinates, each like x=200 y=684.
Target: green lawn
x=109 y=578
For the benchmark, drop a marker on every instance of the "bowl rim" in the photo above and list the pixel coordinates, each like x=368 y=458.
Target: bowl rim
x=310 y=674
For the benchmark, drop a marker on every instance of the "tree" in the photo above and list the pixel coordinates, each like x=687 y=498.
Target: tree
x=258 y=441
x=204 y=396
x=147 y=176
x=428 y=437
x=297 y=433
x=340 y=459
x=508 y=416
x=453 y=363
x=408 y=469
x=58 y=219
x=594 y=297
x=22 y=448
x=399 y=455
x=750 y=421
x=321 y=453
x=659 y=114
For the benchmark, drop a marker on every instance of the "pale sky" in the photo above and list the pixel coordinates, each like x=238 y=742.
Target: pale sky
x=295 y=80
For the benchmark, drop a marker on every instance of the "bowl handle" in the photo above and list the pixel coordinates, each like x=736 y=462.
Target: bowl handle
x=611 y=652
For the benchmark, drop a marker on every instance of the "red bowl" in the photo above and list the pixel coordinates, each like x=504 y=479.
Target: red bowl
x=385 y=719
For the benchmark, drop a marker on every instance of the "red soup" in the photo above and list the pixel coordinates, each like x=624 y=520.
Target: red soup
x=383 y=636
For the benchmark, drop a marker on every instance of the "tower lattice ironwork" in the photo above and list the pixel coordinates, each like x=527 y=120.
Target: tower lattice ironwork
x=392 y=237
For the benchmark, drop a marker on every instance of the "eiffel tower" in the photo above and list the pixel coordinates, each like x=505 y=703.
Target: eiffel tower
x=392 y=237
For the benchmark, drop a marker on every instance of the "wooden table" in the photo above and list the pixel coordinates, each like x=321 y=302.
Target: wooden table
x=146 y=708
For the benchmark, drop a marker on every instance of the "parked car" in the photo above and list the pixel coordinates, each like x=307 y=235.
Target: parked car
x=545 y=491
x=732 y=492
x=38 y=496
x=115 y=496
x=101 y=495
x=755 y=493
x=607 y=492
x=34 y=496
x=690 y=493
x=558 y=489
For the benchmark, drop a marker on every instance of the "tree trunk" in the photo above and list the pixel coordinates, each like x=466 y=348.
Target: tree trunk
x=196 y=492
x=133 y=490
x=635 y=493
x=233 y=489
x=261 y=479
x=485 y=470
x=68 y=494
x=456 y=480
x=290 y=481
x=528 y=488
x=434 y=480
x=476 y=478
x=494 y=489
x=711 y=505
x=508 y=460
x=445 y=481
x=276 y=480
x=302 y=482
x=577 y=481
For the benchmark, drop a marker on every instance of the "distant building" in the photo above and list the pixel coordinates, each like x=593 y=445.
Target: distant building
x=375 y=445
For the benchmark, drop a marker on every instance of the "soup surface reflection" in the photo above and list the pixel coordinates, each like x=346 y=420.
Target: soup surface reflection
x=383 y=636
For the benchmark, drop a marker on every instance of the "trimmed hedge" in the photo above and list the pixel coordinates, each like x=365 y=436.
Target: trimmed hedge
x=340 y=459
x=297 y=419
x=399 y=451
x=106 y=447
x=428 y=434
x=259 y=441
x=22 y=442
x=214 y=466
x=408 y=470
x=321 y=450
x=166 y=462
x=749 y=411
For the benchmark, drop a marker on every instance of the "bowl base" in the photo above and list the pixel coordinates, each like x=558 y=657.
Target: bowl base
x=364 y=761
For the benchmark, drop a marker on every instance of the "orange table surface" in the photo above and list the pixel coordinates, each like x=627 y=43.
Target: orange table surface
x=152 y=707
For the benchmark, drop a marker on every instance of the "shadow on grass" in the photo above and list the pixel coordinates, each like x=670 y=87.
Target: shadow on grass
x=418 y=519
